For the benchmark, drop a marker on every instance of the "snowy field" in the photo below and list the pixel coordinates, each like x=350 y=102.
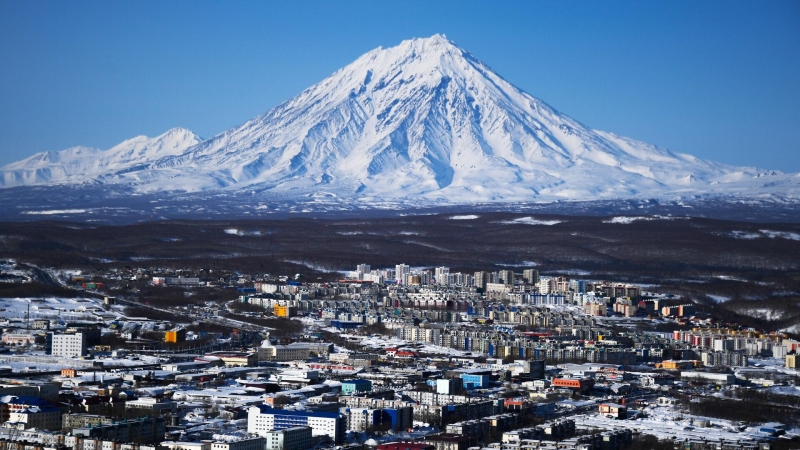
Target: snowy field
x=53 y=308
x=785 y=390
x=669 y=422
x=39 y=362
x=772 y=234
x=464 y=217
x=631 y=219
x=530 y=221
x=757 y=365
x=421 y=347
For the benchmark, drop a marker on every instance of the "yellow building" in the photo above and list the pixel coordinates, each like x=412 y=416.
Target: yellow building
x=677 y=365
x=791 y=361
x=284 y=311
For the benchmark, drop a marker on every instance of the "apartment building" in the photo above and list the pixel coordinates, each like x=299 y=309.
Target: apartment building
x=258 y=443
x=262 y=419
x=290 y=352
x=293 y=438
x=66 y=345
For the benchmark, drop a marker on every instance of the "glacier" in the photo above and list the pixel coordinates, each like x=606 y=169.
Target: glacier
x=424 y=121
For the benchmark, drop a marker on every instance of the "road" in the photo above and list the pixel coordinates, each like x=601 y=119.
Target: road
x=248 y=332
x=43 y=276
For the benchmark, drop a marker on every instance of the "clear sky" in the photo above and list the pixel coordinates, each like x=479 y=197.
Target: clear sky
x=717 y=79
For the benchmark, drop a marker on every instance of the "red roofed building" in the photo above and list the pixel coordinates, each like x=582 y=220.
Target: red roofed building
x=517 y=404
x=584 y=385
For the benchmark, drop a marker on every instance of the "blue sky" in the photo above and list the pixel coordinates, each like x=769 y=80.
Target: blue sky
x=720 y=80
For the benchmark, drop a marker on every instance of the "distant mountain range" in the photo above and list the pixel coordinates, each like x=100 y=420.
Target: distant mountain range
x=424 y=120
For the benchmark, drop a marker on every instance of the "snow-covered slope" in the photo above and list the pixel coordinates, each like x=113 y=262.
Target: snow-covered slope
x=84 y=164
x=426 y=120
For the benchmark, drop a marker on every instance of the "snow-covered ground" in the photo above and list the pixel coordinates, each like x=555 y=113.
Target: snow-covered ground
x=669 y=422
x=530 y=221
x=775 y=365
x=422 y=347
x=53 y=308
x=464 y=217
x=744 y=235
x=39 y=362
x=380 y=341
x=238 y=232
x=52 y=212
x=762 y=313
x=631 y=219
x=230 y=395
x=781 y=234
x=519 y=264
x=792 y=329
x=772 y=234
x=785 y=390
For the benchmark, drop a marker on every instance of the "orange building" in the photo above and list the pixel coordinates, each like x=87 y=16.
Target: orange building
x=175 y=336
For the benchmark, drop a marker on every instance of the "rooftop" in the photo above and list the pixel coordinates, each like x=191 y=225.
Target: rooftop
x=264 y=409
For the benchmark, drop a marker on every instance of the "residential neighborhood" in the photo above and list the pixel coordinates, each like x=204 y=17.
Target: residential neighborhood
x=400 y=358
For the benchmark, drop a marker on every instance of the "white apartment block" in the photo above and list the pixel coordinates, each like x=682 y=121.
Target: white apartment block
x=43 y=419
x=507 y=276
x=362 y=270
x=441 y=274
x=400 y=273
x=530 y=276
x=546 y=285
x=498 y=287
x=290 y=352
x=68 y=345
x=262 y=420
x=359 y=419
x=376 y=277
x=178 y=445
x=245 y=444
x=295 y=438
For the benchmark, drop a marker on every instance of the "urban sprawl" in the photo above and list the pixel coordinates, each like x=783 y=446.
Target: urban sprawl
x=401 y=358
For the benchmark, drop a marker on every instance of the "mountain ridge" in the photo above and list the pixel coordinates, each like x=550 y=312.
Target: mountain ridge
x=424 y=119
x=72 y=164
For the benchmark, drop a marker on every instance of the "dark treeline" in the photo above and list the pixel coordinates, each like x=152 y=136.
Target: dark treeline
x=658 y=249
x=752 y=410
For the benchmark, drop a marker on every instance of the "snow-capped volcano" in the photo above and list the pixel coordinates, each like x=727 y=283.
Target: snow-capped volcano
x=424 y=119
